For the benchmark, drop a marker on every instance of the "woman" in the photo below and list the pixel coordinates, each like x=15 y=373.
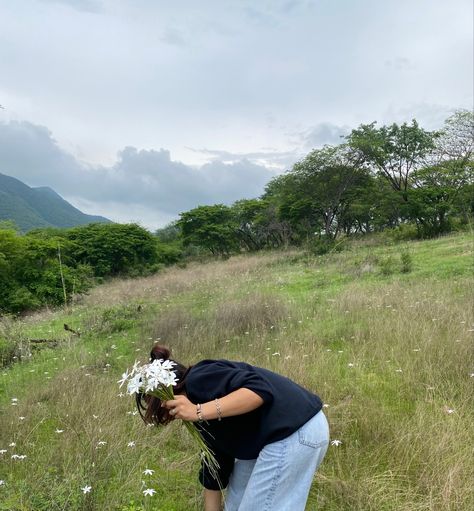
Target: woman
x=268 y=434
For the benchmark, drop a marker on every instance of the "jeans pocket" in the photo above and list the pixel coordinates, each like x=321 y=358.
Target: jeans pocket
x=314 y=433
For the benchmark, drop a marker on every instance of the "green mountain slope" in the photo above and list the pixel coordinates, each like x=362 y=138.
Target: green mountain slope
x=30 y=207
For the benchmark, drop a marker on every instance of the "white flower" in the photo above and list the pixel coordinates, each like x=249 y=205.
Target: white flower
x=86 y=489
x=131 y=444
x=22 y=418
x=134 y=384
x=325 y=405
x=350 y=365
x=449 y=411
x=95 y=416
x=14 y=399
x=124 y=378
x=148 y=472
x=59 y=431
x=18 y=456
x=149 y=491
x=2 y=482
x=12 y=444
x=3 y=451
x=336 y=443
x=277 y=353
x=100 y=443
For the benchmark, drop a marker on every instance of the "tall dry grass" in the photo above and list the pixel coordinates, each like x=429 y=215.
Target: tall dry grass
x=391 y=357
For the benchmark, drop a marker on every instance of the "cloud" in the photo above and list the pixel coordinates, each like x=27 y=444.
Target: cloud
x=322 y=134
x=146 y=184
x=79 y=5
x=270 y=158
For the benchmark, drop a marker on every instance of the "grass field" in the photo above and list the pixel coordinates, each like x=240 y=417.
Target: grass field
x=383 y=332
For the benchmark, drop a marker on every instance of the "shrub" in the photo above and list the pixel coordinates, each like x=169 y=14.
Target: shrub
x=406 y=261
x=404 y=232
x=387 y=265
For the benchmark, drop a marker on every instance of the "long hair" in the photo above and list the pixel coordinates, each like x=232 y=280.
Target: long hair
x=149 y=407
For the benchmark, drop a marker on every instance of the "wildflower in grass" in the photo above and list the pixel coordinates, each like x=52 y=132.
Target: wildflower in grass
x=59 y=431
x=350 y=364
x=18 y=456
x=449 y=411
x=2 y=482
x=3 y=451
x=22 y=418
x=148 y=472
x=149 y=491
x=100 y=443
x=12 y=444
x=86 y=489
x=336 y=443
x=131 y=444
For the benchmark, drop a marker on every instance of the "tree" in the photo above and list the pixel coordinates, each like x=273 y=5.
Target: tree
x=393 y=151
x=113 y=249
x=210 y=227
x=316 y=192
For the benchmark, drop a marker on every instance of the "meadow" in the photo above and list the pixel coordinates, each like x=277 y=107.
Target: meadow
x=382 y=331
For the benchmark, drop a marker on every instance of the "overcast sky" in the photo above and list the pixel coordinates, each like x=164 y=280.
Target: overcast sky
x=140 y=109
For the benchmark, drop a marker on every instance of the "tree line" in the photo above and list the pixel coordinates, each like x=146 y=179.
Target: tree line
x=414 y=182
x=398 y=176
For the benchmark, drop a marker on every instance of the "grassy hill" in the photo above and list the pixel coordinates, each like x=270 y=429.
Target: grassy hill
x=383 y=332
x=36 y=207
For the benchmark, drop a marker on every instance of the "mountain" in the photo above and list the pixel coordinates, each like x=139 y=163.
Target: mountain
x=38 y=207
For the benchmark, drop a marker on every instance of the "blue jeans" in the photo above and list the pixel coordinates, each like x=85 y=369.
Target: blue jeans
x=280 y=478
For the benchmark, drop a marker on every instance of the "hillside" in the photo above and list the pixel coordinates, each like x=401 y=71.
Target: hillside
x=36 y=207
x=382 y=331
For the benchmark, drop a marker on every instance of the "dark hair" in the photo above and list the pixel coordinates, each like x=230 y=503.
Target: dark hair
x=149 y=407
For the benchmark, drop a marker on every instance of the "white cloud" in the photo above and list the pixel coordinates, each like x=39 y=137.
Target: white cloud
x=144 y=184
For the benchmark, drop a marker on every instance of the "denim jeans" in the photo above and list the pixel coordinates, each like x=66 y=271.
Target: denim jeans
x=280 y=478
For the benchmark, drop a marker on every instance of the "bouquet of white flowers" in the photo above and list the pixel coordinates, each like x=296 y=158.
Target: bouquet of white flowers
x=157 y=378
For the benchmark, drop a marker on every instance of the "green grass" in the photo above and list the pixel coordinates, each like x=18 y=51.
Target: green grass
x=389 y=351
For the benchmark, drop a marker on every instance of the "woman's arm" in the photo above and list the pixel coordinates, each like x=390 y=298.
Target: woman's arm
x=240 y=401
x=212 y=500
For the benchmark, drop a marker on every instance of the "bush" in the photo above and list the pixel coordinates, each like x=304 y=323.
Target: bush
x=406 y=261
x=404 y=232
x=387 y=265
x=321 y=246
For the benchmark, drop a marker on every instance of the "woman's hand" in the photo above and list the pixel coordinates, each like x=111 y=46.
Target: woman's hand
x=181 y=408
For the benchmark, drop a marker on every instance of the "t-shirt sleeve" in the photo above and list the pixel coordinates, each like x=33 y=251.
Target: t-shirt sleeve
x=219 y=480
x=220 y=377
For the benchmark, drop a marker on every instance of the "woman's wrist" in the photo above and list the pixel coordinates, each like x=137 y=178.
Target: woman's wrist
x=210 y=411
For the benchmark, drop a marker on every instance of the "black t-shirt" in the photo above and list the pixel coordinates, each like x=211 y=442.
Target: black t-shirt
x=287 y=406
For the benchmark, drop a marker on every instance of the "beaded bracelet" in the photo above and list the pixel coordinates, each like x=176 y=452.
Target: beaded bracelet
x=199 y=413
x=219 y=411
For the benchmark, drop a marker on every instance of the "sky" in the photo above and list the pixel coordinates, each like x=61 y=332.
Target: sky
x=138 y=110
